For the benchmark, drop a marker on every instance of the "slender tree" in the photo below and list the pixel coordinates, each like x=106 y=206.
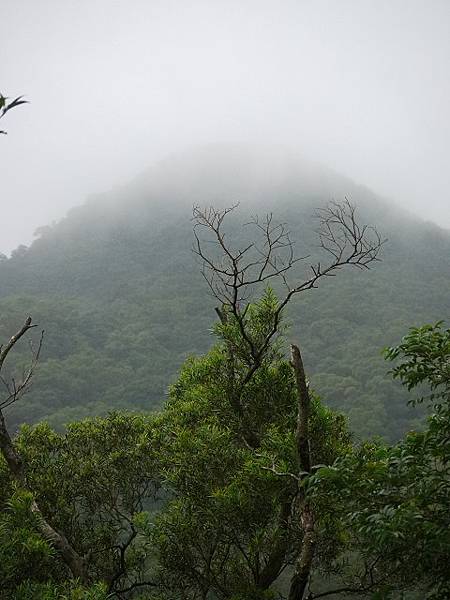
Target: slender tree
x=250 y=337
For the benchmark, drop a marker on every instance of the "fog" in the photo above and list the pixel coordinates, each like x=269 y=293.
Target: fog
x=361 y=86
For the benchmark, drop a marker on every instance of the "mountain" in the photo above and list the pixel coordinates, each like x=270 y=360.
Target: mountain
x=123 y=303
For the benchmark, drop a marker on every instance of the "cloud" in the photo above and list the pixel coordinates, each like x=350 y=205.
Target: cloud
x=114 y=86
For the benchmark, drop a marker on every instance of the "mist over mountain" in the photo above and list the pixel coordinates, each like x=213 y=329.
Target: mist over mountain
x=225 y=300
x=123 y=303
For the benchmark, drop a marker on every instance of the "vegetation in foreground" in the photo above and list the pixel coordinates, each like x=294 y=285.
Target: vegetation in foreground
x=246 y=486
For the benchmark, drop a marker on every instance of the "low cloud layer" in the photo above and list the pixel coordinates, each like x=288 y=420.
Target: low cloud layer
x=361 y=86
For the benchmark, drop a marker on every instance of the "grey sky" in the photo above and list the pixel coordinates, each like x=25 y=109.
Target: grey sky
x=362 y=86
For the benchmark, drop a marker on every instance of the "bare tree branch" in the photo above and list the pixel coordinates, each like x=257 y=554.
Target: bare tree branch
x=73 y=560
x=232 y=274
x=16 y=389
x=4 y=351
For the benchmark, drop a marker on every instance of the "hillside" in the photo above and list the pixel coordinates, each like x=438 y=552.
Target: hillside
x=122 y=301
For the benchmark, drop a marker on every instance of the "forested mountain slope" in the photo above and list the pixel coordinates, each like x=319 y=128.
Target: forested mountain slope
x=123 y=303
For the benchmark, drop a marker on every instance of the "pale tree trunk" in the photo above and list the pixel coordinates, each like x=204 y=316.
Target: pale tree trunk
x=303 y=563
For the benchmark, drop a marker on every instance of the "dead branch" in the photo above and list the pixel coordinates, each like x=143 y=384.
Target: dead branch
x=232 y=274
x=15 y=389
x=302 y=432
x=72 y=559
x=4 y=351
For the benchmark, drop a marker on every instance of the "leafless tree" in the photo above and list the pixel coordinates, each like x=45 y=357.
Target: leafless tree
x=233 y=275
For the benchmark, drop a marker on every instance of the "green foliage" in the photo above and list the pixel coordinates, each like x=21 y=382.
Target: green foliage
x=395 y=500
x=66 y=591
x=24 y=554
x=29 y=567
x=222 y=519
x=425 y=352
x=123 y=304
x=6 y=106
x=93 y=483
x=181 y=501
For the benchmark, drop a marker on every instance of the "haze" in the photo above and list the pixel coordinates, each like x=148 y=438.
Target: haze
x=362 y=86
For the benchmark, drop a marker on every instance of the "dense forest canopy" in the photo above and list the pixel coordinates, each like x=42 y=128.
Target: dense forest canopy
x=227 y=378
x=246 y=486
x=122 y=301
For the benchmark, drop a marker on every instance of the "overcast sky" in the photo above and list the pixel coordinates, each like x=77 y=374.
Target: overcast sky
x=362 y=86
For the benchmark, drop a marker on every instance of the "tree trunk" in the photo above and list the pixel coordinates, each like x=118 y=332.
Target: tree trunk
x=73 y=560
x=276 y=559
x=303 y=564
